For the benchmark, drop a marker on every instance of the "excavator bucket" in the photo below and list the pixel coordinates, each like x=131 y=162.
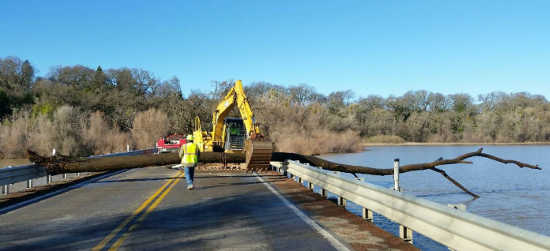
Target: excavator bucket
x=258 y=155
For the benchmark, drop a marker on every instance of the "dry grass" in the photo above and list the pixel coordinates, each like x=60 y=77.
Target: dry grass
x=305 y=130
x=148 y=127
x=14 y=135
x=317 y=141
x=42 y=136
x=298 y=129
x=103 y=138
x=302 y=129
x=67 y=130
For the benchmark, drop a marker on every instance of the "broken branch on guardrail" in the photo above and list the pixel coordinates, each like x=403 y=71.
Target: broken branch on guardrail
x=332 y=166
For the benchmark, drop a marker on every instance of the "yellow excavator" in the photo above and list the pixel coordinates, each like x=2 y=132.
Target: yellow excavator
x=235 y=135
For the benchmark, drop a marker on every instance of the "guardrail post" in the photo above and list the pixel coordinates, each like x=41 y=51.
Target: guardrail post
x=5 y=190
x=396 y=175
x=64 y=175
x=406 y=234
x=323 y=192
x=127 y=148
x=29 y=184
x=49 y=178
x=310 y=185
x=341 y=201
x=368 y=215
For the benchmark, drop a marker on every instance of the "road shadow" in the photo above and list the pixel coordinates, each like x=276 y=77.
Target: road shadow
x=198 y=176
x=246 y=221
x=40 y=193
x=229 y=184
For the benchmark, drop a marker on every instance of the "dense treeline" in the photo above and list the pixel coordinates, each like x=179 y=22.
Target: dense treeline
x=79 y=110
x=421 y=116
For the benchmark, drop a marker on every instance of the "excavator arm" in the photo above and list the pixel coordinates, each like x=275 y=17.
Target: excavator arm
x=235 y=96
x=198 y=134
x=258 y=150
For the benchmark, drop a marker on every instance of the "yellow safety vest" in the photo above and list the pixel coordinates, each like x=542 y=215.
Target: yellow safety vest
x=189 y=152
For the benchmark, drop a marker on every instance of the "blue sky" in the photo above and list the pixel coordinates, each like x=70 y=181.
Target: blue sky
x=369 y=47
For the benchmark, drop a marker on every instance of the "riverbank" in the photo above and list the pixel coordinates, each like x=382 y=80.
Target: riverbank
x=365 y=144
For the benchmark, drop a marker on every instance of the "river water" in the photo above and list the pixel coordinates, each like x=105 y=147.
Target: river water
x=516 y=196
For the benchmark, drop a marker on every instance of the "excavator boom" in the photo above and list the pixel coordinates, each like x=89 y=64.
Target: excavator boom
x=235 y=96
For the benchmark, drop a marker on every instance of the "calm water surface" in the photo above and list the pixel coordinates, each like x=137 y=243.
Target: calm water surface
x=516 y=196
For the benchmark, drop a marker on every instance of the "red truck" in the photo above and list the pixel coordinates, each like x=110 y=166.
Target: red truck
x=170 y=143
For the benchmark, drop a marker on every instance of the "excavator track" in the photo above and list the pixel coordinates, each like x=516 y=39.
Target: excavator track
x=258 y=155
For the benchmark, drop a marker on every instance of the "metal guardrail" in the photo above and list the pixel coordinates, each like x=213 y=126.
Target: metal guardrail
x=453 y=228
x=10 y=175
x=14 y=174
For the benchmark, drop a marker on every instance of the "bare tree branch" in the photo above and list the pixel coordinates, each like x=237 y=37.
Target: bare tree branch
x=454 y=182
x=328 y=165
x=461 y=158
x=332 y=166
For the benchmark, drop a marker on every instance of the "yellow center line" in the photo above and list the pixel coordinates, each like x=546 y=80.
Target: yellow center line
x=136 y=212
x=119 y=242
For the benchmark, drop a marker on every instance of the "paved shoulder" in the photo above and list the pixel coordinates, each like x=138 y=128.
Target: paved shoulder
x=350 y=228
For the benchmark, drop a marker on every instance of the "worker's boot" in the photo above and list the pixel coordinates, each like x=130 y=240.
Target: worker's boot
x=190 y=187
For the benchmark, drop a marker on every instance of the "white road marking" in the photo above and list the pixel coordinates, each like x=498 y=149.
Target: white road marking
x=333 y=240
x=56 y=192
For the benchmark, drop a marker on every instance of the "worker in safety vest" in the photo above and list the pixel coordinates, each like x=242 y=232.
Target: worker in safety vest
x=189 y=154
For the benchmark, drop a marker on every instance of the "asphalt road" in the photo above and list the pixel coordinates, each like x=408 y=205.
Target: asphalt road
x=150 y=208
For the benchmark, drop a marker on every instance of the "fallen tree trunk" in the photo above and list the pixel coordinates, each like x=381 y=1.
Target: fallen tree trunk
x=63 y=164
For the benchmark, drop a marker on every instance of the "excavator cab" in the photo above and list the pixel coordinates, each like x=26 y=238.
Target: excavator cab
x=235 y=134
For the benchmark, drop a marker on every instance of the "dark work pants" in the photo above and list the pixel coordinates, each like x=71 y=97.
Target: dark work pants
x=189 y=174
